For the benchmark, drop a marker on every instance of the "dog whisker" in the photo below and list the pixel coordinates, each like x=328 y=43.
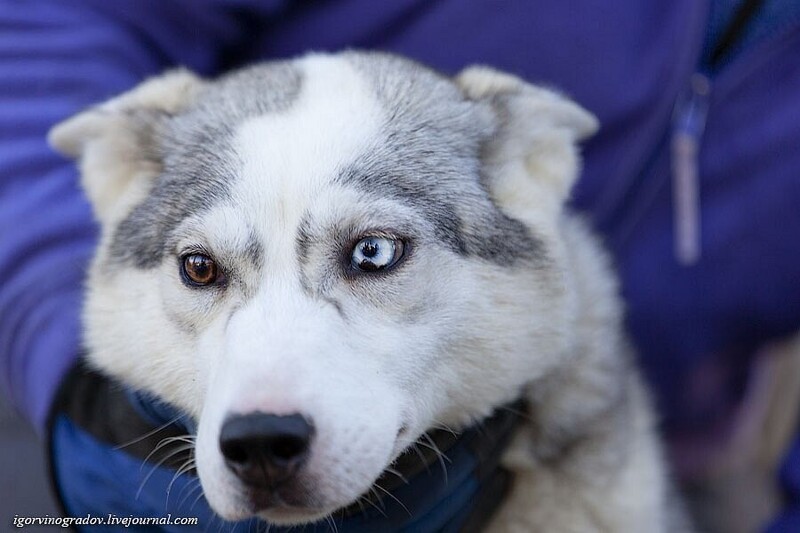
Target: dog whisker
x=372 y=503
x=445 y=427
x=190 y=489
x=197 y=499
x=421 y=456
x=173 y=453
x=375 y=498
x=360 y=503
x=439 y=454
x=431 y=445
x=148 y=434
x=395 y=498
x=211 y=522
x=397 y=473
x=158 y=464
x=166 y=441
x=185 y=467
x=332 y=524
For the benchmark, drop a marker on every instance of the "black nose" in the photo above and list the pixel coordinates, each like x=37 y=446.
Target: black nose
x=264 y=449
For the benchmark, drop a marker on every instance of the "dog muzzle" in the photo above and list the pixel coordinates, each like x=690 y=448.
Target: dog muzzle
x=108 y=457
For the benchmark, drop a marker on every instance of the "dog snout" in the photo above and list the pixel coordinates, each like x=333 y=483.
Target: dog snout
x=265 y=449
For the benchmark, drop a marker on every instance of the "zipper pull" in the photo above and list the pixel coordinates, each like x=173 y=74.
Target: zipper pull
x=689 y=120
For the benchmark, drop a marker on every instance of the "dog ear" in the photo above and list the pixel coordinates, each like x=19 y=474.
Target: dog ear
x=534 y=148
x=115 y=142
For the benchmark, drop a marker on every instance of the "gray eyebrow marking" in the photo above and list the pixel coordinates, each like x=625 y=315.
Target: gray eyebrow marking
x=429 y=158
x=254 y=250
x=198 y=163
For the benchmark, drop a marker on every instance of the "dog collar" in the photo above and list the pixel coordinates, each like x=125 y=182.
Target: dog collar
x=425 y=492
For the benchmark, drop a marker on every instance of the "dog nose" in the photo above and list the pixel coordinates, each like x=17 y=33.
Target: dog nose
x=264 y=449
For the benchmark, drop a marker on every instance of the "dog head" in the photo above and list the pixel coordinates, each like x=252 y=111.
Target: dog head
x=321 y=259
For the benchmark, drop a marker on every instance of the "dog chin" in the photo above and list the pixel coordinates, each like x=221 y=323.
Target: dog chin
x=277 y=513
x=285 y=508
x=293 y=516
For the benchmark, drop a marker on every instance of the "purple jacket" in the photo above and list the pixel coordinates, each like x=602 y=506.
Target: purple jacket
x=696 y=327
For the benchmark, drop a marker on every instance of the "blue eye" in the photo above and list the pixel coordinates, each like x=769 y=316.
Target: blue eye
x=372 y=254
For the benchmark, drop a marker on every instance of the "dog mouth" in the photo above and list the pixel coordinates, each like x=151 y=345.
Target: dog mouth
x=289 y=503
x=295 y=503
x=277 y=498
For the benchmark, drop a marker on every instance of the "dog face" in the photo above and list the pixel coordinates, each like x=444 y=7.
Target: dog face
x=321 y=259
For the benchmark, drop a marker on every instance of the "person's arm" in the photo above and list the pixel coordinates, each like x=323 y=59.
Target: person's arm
x=55 y=59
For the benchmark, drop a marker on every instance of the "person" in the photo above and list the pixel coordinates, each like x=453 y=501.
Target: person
x=692 y=180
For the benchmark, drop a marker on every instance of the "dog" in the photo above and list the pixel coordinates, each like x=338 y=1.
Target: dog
x=348 y=250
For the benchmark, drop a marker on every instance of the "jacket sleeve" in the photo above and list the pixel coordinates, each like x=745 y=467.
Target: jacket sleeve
x=56 y=58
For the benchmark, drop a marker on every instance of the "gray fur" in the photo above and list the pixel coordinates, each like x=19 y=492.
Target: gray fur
x=430 y=158
x=198 y=163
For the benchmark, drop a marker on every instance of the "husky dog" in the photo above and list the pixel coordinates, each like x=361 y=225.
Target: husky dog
x=354 y=249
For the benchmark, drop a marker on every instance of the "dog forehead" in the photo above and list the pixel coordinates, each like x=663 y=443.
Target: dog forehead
x=373 y=124
x=287 y=158
x=269 y=140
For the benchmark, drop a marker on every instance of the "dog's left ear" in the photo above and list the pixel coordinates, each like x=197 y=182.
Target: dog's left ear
x=533 y=153
x=116 y=141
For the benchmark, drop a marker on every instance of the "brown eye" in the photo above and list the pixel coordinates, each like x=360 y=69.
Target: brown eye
x=199 y=269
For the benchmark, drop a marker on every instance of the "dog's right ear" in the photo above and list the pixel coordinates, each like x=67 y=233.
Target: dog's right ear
x=114 y=142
